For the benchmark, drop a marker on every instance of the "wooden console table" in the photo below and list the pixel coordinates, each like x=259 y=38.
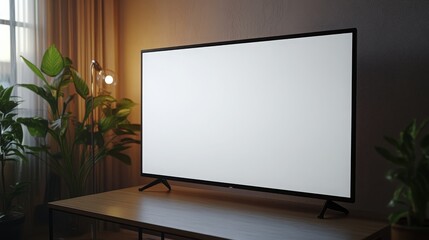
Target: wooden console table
x=206 y=214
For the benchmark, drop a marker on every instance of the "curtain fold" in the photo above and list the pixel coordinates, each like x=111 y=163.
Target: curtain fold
x=86 y=30
x=30 y=38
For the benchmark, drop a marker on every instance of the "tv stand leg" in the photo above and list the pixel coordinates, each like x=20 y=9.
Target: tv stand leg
x=155 y=182
x=333 y=206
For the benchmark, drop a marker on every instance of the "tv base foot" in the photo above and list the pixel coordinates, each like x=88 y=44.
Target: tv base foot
x=333 y=206
x=155 y=182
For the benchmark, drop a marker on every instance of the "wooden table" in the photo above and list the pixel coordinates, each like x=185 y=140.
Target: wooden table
x=208 y=214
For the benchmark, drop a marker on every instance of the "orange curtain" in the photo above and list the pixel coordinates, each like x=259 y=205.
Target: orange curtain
x=86 y=30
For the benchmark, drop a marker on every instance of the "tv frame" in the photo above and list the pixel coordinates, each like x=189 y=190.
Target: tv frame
x=163 y=178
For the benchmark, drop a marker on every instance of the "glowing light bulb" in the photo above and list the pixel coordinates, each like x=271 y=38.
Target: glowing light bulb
x=108 y=79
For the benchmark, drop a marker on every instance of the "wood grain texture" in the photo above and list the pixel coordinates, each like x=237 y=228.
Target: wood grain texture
x=209 y=214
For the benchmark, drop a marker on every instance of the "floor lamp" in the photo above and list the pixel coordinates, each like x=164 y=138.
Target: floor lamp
x=104 y=77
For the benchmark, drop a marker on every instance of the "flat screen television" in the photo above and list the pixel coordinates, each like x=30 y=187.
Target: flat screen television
x=273 y=114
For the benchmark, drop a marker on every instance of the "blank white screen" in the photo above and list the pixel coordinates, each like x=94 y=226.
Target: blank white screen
x=274 y=114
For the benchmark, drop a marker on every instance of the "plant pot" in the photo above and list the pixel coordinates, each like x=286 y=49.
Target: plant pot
x=403 y=232
x=11 y=226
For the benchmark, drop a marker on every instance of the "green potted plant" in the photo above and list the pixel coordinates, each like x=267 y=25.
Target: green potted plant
x=68 y=138
x=12 y=150
x=410 y=159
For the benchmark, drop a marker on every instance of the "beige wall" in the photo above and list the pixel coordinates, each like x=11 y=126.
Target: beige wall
x=393 y=60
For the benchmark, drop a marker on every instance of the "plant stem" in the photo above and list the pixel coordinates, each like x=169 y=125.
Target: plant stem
x=3 y=181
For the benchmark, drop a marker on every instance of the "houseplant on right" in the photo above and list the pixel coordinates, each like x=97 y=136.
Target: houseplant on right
x=410 y=160
x=12 y=150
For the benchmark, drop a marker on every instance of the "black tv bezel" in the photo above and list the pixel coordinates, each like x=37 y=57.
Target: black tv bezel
x=351 y=199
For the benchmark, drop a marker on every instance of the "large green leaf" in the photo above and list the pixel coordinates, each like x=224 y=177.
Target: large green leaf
x=16 y=128
x=125 y=103
x=129 y=141
x=123 y=113
x=127 y=129
x=7 y=105
x=45 y=94
x=387 y=155
x=5 y=93
x=52 y=62
x=16 y=154
x=35 y=70
x=61 y=81
x=396 y=216
x=392 y=141
x=37 y=127
x=108 y=123
x=123 y=108
x=67 y=62
x=121 y=157
x=92 y=103
x=80 y=85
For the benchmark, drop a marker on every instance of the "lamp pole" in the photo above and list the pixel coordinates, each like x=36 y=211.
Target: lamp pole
x=94 y=66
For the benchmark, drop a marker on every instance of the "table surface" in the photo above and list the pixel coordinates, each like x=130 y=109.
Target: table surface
x=210 y=214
